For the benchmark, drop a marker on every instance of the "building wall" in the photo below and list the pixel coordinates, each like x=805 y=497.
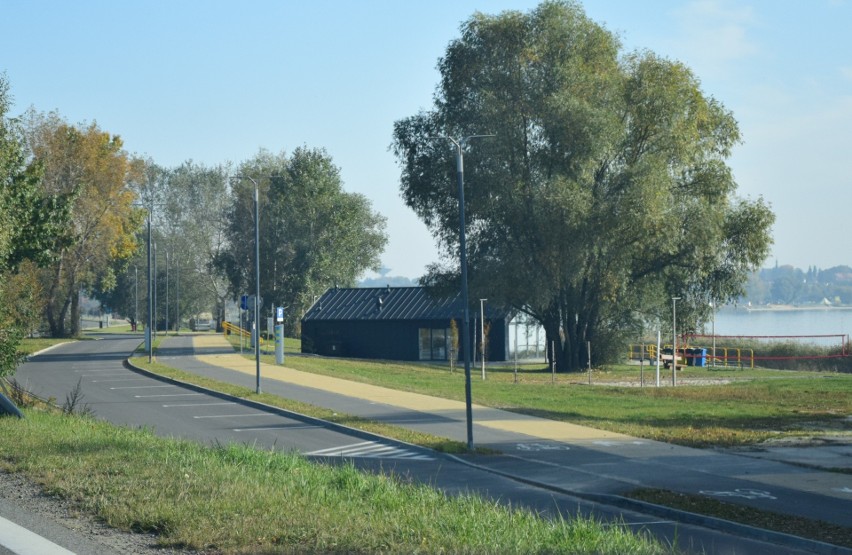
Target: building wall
x=386 y=339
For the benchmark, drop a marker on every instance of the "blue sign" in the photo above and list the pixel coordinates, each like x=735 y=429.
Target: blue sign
x=244 y=302
x=279 y=314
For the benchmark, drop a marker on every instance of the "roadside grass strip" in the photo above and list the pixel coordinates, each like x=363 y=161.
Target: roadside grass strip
x=236 y=499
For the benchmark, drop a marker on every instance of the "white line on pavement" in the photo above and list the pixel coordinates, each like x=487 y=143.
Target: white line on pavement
x=198 y=405
x=21 y=541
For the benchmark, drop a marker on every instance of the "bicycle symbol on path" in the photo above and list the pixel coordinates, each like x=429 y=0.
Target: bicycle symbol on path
x=746 y=493
x=541 y=447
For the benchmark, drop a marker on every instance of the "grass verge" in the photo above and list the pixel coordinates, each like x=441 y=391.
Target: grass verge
x=802 y=527
x=235 y=499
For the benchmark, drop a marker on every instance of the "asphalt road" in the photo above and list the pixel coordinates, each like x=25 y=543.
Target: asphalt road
x=125 y=397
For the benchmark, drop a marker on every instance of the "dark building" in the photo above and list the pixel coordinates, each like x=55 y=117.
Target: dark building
x=395 y=323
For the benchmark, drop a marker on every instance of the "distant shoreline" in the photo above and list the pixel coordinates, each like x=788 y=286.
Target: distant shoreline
x=783 y=308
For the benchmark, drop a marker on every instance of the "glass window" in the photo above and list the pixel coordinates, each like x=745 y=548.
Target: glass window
x=425 y=344
x=439 y=344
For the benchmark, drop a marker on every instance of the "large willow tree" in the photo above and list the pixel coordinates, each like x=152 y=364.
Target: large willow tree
x=604 y=192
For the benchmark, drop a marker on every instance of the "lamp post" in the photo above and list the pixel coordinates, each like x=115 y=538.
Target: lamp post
x=713 y=330
x=256 y=280
x=482 y=330
x=460 y=144
x=674 y=339
x=136 y=296
x=167 y=293
x=149 y=339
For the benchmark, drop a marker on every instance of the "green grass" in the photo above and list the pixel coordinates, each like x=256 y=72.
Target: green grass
x=761 y=405
x=235 y=499
x=29 y=346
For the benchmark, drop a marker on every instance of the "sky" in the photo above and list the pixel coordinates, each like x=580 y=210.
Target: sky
x=216 y=81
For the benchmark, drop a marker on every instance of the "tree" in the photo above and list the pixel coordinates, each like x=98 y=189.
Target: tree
x=32 y=230
x=604 y=192
x=90 y=166
x=314 y=235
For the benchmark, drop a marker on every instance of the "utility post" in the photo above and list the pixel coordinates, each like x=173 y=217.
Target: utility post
x=460 y=144
x=256 y=279
x=674 y=340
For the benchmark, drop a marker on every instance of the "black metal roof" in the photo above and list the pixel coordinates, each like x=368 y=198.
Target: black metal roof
x=388 y=303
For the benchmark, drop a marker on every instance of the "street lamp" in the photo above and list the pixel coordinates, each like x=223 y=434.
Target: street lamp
x=674 y=339
x=256 y=279
x=713 y=330
x=460 y=144
x=482 y=330
x=149 y=339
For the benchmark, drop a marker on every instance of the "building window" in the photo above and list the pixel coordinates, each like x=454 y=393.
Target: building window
x=434 y=344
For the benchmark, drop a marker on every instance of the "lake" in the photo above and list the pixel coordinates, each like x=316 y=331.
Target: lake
x=796 y=321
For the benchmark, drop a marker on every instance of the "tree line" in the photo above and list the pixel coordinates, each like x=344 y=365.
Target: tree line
x=74 y=215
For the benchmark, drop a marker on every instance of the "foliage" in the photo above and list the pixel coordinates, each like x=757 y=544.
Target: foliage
x=32 y=229
x=604 y=191
x=187 y=206
x=90 y=166
x=789 y=285
x=313 y=236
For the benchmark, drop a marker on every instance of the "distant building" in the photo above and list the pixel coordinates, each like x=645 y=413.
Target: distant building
x=396 y=323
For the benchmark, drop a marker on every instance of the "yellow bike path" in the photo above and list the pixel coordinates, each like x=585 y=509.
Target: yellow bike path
x=497 y=419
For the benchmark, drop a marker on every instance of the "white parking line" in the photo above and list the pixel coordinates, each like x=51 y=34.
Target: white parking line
x=235 y=415
x=169 y=395
x=118 y=380
x=198 y=405
x=268 y=428
x=143 y=387
x=18 y=539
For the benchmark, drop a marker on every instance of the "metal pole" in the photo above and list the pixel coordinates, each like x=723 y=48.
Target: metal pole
x=177 y=301
x=148 y=331
x=659 y=341
x=459 y=144
x=714 y=332
x=674 y=339
x=167 y=292
x=257 y=283
x=136 y=294
x=466 y=325
x=482 y=329
x=154 y=331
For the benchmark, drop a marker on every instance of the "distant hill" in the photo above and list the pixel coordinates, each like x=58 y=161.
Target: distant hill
x=789 y=285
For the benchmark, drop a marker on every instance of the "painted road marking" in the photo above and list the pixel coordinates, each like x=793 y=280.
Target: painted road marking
x=19 y=540
x=117 y=380
x=169 y=395
x=541 y=447
x=143 y=387
x=746 y=493
x=371 y=450
x=198 y=405
x=237 y=415
x=282 y=427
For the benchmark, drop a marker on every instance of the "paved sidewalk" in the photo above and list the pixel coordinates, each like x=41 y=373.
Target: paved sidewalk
x=563 y=456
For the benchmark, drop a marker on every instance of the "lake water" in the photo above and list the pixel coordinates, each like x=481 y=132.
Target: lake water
x=817 y=321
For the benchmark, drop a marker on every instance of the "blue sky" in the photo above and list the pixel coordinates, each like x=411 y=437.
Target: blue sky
x=215 y=81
